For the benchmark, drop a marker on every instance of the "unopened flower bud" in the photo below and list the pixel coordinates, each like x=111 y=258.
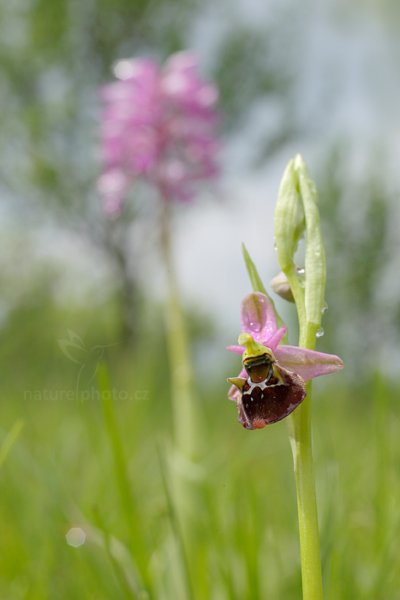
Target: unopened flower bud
x=280 y=285
x=289 y=218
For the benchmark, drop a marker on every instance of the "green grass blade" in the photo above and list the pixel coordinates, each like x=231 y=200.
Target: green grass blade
x=9 y=440
x=176 y=527
x=127 y=500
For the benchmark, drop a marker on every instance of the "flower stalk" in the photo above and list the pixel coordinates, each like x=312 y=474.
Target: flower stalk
x=274 y=382
x=301 y=443
x=183 y=401
x=297 y=214
x=186 y=438
x=158 y=127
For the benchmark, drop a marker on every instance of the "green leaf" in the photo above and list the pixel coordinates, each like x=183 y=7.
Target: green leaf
x=254 y=277
x=256 y=281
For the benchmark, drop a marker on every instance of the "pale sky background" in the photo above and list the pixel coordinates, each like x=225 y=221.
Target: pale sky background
x=348 y=85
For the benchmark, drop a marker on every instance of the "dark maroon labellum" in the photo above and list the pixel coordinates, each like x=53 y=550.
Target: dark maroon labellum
x=270 y=400
x=269 y=393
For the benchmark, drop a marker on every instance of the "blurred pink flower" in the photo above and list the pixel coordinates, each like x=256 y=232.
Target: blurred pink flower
x=157 y=124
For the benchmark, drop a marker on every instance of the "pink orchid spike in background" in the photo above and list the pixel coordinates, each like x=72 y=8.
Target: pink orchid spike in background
x=285 y=366
x=159 y=125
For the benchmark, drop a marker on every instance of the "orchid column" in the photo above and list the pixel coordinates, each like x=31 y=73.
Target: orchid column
x=158 y=127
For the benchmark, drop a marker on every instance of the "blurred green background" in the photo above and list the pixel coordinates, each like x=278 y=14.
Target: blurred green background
x=75 y=288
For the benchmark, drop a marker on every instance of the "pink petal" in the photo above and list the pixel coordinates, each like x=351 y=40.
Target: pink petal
x=307 y=363
x=113 y=185
x=258 y=317
x=141 y=70
x=276 y=337
x=235 y=349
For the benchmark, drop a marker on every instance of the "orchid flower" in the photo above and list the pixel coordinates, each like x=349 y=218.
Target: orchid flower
x=290 y=366
x=158 y=125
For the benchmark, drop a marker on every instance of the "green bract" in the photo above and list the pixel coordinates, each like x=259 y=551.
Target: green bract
x=296 y=214
x=289 y=218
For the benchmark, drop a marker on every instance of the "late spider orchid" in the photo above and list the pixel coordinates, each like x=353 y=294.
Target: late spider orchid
x=271 y=383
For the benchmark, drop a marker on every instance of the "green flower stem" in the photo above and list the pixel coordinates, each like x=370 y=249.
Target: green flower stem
x=183 y=401
x=296 y=214
x=300 y=439
x=185 y=449
x=301 y=444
